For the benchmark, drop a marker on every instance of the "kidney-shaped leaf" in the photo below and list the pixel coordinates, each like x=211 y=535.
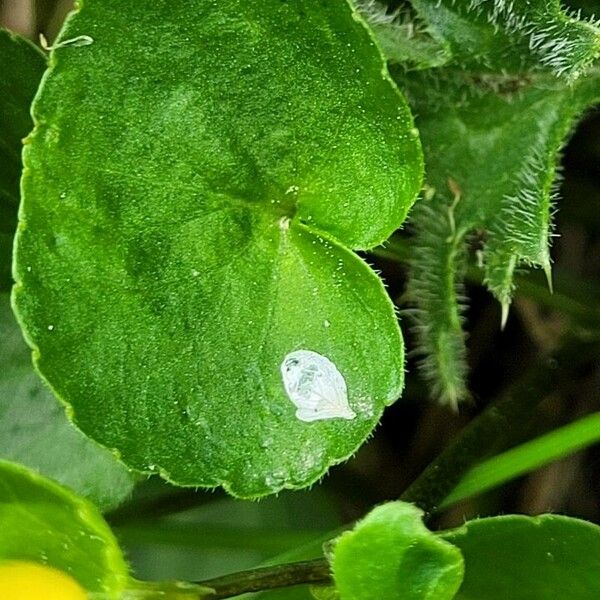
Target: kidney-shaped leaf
x=529 y=558
x=193 y=184
x=43 y=523
x=391 y=554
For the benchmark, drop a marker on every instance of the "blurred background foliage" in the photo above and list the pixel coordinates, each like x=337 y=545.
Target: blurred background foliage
x=550 y=349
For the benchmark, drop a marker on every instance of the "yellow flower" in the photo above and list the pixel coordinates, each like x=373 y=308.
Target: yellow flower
x=20 y=580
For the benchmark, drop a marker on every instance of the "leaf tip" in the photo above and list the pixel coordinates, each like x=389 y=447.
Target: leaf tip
x=505 y=310
x=548 y=272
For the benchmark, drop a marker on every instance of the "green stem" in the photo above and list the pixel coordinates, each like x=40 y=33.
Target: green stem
x=229 y=586
x=269 y=578
x=484 y=436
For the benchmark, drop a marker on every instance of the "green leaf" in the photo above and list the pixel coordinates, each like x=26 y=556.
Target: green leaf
x=528 y=558
x=201 y=234
x=491 y=145
x=33 y=427
x=390 y=554
x=527 y=457
x=35 y=431
x=22 y=67
x=42 y=522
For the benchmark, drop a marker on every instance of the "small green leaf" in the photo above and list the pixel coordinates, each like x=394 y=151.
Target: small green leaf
x=202 y=233
x=529 y=558
x=390 y=554
x=22 y=66
x=42 y=522
x=35 y=431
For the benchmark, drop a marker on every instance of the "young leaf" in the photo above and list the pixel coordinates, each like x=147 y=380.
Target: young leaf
x=22 y=67
x=186 y=225
x=528 y=558
x=35 y=431
x=493 y=120
x=492 y=145
x=509 y=37
x=390 y=554
x=43 y=523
